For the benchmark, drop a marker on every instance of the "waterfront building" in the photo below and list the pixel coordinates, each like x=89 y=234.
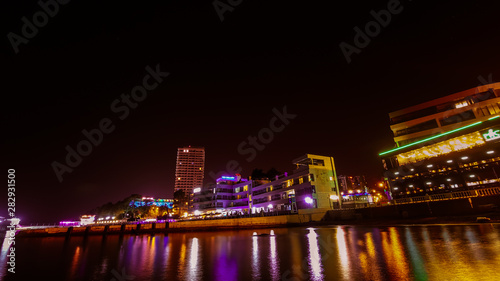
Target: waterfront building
x=354 y=183
x=444 y=114
x=189 y=169
x=313 y=184
x=354 y=191
x=447 y=144
x=150 y=201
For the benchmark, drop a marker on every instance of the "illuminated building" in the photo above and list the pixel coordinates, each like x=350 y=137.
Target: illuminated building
x=445 y=114
x=230 y=194
x=347 y=183
x=312 y=185
x=189 y=169
x=462 y=152
x=87 y=219
x=150 y=201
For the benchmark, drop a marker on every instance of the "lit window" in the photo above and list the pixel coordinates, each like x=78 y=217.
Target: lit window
x=461 y=104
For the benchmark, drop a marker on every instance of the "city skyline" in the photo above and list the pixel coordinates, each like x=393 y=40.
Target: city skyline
x=77 y=99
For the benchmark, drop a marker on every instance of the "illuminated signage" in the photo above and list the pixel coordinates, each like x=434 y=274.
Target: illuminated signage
x=491 y=134
x=196 y=190
x=226 y=178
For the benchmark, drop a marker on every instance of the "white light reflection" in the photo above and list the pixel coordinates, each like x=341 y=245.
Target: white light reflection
x=255 y=258
x=343 y=256
x=273 y=257
x=194 y=269
x=316 y=269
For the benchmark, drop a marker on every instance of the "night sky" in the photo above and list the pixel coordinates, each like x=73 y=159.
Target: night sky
x=225 y=78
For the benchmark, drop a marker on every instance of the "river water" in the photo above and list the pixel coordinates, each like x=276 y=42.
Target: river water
x=425 y=252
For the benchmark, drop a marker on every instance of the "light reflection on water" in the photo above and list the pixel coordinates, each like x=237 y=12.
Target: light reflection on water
x=314 y=256
x=445 y=252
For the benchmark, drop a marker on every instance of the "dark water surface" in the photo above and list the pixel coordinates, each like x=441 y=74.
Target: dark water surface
x=432 y=252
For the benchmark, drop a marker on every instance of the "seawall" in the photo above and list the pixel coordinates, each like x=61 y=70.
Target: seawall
x=303 y=216
x=456 y=207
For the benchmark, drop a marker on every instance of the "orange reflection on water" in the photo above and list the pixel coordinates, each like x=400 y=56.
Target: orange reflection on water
x=397 y=262
x=343 y=255
x=372 y=262
x=182 y=260
x=74 y=263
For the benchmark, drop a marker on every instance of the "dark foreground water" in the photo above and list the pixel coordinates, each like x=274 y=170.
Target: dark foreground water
x=434 y=252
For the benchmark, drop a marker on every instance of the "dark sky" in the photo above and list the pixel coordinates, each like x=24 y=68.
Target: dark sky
x=225 y=79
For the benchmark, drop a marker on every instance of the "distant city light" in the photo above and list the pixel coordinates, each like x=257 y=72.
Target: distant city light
x=334 y=197
x=270 y=206
x=464 y=158
x=197 y=213
x=196 y=190
x=490 y=152
x=471 y=176
x=448 y=179
x=309 y=200
x=396 y=173
x=429 y=166
x=449 y=161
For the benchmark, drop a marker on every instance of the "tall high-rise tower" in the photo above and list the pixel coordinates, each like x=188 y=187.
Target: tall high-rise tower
x=190 y=168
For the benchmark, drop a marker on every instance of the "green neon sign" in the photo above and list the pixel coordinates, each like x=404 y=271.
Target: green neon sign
x=491 y=135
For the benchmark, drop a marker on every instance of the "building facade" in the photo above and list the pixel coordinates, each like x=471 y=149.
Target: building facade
x=312 y=185
x=347 y=183
x=459 y=152
x=189 y=169
x=445 y=114
x=150 y=201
